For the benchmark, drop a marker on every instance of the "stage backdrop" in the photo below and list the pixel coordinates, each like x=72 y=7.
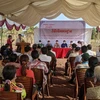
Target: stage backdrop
x=60 y=30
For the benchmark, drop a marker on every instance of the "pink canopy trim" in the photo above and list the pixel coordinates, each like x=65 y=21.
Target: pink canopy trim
x=10 y=27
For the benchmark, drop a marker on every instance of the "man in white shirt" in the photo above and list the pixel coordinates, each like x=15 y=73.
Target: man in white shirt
x=19 y=40
x=79 y=57
x=43 y=56
x=89 y=51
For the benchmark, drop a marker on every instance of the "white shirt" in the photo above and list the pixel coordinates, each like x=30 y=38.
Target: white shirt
x=85 y=65
x=78 y=58
x=30 y=58
x=74 y=54
x=91 y=53
x=45 y=58
x=19 y=40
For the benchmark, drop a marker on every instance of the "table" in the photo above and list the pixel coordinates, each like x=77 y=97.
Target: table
x=61 y=52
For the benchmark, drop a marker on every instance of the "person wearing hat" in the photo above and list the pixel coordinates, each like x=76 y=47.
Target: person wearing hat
x=64 y=44
x=84 y=64
x=56 y=45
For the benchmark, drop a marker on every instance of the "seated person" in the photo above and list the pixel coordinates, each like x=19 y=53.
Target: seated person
x=70 y=45
x=67 y=56
x=40 y=44
x=94 y=92
x=9 y=74
x=56 y=45
x=76 y=53
x=48 y=43
x=93 y=62
x=39 y=49
x=52 y=56
x=13 y=60
x=38 y=64
x=84 y=64
x=34 y=47
x=79 y=44
x=23 y=71
x=6 y=51
x=79 y=57
x=89 y=51
x=43 y=56
x=28 y=52
x=64 y=44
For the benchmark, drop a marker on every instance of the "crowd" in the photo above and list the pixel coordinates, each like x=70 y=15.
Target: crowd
x=13 y=63
x=84 y=57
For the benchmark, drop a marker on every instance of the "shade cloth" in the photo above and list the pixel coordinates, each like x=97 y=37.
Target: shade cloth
x=30 y=12
x=61 y=52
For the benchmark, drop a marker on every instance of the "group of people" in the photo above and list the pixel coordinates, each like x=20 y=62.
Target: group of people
x=84 y=58
x=13 y=64
x=63 y=45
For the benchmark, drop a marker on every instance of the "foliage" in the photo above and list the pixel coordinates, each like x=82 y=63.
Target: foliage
x=94 y=34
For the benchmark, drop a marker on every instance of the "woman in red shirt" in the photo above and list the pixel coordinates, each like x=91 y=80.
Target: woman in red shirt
x=23 y=71
x=9 y=41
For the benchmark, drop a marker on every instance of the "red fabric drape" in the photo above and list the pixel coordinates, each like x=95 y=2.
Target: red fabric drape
x=10 y=27
x=2 y=22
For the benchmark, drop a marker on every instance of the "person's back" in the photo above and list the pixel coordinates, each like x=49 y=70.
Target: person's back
x=72 y=50
x=13 y=60
x=38 y=64
x=9 y=74
x=28 y=52
x=76 y=53
x=89 y=51
x=23 y=71
x=43 y=56
x=79 y=57
x=84 y=64
x=93 y=62
x=50 y=53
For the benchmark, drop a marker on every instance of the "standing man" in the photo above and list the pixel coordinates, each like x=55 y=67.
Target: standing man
x=64 y=44
x=19 y=40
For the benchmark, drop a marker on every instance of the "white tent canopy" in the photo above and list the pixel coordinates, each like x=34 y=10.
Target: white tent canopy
x=30 y=12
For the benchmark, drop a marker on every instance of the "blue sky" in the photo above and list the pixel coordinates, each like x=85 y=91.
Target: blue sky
x=62 y=17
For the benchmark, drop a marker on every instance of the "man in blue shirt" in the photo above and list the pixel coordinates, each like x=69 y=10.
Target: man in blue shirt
x=64 y=44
